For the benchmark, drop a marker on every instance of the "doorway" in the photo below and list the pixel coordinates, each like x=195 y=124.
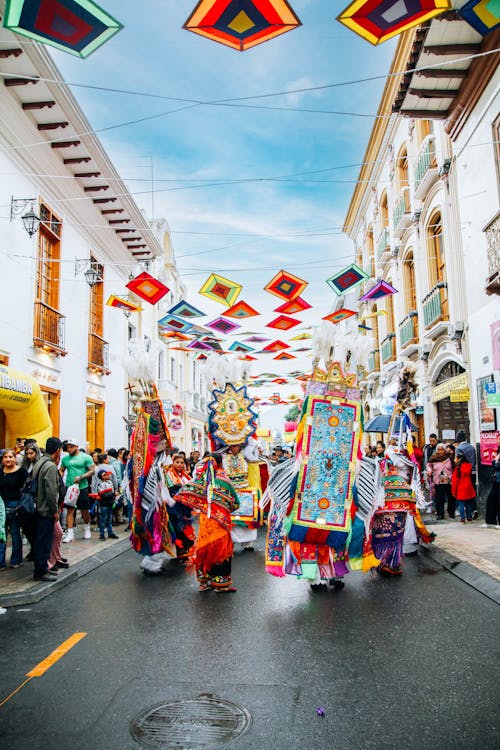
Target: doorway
x=52 y=399
x=95 y=424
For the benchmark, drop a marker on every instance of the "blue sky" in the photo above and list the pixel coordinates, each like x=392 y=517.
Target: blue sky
x=245 y=231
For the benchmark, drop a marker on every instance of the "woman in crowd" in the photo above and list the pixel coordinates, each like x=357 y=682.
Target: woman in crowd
x=32 y=455
x=439 y=472
x=492 y=515
x=180 y=514
x=12 y=479
x=462 y=487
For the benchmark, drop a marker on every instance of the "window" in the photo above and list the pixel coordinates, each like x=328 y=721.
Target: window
x=98 y=348
x=370 y=251
x=409 y=286
x=161 y=366
x=384 y=211
x=436 y=262
x=172 y=369
x=423 y=128
x=402 y=168
x=496 y=147
x=389 y=317
x=49 y=323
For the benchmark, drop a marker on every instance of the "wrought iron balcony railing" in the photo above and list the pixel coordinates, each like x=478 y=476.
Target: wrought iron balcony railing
x=48 y=332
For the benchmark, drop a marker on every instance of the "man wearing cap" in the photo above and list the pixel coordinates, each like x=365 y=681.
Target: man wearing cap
x=79 y=467
x=46 y=513
x=469 y=452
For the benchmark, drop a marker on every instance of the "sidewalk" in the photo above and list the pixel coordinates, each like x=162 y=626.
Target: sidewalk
x=469 y=552
x=18 y=588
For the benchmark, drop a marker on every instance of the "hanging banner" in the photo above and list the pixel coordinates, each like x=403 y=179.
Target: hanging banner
x=488 y=444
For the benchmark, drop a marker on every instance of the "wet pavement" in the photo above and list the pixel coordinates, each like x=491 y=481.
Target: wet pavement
x=407 y=663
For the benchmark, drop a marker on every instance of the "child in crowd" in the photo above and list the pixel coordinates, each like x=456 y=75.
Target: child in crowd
x=105 y=496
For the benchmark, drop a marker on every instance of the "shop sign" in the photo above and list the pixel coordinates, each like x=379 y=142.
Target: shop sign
x=458 y=396
x=493 y=400
x=444 y=390
x=488 y=443
x=14 y=386
x=487 y=416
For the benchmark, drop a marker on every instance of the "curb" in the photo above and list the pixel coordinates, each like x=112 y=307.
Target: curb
x=37 y=593
x=482 y=582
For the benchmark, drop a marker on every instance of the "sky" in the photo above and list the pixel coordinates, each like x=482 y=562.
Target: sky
x=285 y=177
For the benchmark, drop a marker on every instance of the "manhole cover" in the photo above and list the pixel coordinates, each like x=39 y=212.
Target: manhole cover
x=190 y=723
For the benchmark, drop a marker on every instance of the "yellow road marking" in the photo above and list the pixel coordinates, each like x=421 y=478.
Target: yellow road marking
x=47 y=663
x=14 y=692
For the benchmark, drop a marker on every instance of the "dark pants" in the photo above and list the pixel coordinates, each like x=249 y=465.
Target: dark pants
x=44 y=531
x=441 y=496
x=493 y=505
x=105 y=520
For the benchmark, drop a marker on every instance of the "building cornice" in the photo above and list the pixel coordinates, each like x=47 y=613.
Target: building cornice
x=380 y=128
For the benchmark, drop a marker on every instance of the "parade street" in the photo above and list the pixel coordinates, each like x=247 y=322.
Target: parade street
x=406 y=663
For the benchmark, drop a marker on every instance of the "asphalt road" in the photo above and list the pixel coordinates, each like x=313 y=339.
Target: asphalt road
x=410 y=663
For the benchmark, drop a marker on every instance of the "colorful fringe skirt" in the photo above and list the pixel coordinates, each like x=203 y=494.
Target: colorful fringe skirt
x=388 y=528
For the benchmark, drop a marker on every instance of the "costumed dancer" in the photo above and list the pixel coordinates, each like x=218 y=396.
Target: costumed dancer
x=397 y=525
x=145 y=471
x=179 y=514
x=212 y=494
x=231 y=425
x=310 y=520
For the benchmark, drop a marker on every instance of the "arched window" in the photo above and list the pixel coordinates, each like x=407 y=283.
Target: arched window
x=402 y=168
x=370 y=251
x=384 y=211
x=436 y=261
x=389 y=313
x=409 y=327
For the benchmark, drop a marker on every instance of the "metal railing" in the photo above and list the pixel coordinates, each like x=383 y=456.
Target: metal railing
x=98 y=353
x=433 y=304
x=373 y=364
x=383 y=243
x=402 y=206
x=388 y=348
x=408 y=329
x=426 y=158
x=49 y=327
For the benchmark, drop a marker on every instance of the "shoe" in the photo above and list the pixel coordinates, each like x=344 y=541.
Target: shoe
x=113 y=536
x=17 y=565
x=69 y=536
x=44 y=577
x=52 y=572
x=475 y=514
x=102 y=538
x=451 y=516
x=337 y=584
x=248 y=549
x=488 y=526
x=230 y=590
x=439 y=518
x=86 y=531
x=461 y=521
x=318 y=587
x=63 y=559
x=497 y=526
x=61 y=564
x=3 y=567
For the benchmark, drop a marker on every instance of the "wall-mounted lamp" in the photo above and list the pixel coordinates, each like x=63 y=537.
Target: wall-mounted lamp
x=90 y=269
x=26 y=208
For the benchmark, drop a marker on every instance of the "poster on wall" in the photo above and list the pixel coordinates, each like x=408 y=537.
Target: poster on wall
x=488 y=444
x=487 y=416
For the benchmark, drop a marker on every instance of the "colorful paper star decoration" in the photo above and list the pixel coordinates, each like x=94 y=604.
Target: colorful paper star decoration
x=291 y=308
x=221 y=290
x=240 y=310
x=482 y=15
x=339 y=315
x=283 y=323
x=75 y=26
x=122 y=304
x=379 y=20
x=241 y=24
x=223 y=326
x=147 y=288
x=275 y=346
x=174 y=324
x=347 y=279
x=286 y=285
x=238 y=346
x=378 y=290
x=186 y=310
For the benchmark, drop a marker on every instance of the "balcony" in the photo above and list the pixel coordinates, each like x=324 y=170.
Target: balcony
x=383 y=245
x=492 y=232
x=48 y=333
x=435 y=317
x=373 y=365
x=98 y=355
x=408 y=332
x=388 y=348
x=401 y=213
x=425 y=168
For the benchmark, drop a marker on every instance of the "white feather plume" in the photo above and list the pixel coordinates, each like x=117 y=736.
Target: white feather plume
x=141 y=360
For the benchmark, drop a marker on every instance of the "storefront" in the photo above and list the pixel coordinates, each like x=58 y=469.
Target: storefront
x=23 y=410
x=451 y=395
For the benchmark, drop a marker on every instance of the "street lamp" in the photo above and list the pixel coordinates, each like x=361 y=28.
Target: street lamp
x=92 y=271
x=25 y=207
x=91 y=276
